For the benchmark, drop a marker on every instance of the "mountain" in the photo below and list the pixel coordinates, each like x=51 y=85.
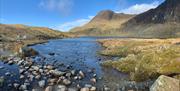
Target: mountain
x=18 y=31
x=162 y=22
x=105 y=22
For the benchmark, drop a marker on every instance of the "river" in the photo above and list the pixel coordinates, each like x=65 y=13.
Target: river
x=82 y=54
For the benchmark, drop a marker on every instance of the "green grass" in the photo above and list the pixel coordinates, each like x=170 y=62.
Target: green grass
x=144 y=61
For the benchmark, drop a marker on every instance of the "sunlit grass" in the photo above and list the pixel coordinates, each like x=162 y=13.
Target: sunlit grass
x=144 y=59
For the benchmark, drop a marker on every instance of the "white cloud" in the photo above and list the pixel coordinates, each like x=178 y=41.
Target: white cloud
x=62 y=6
x=139 y=8
x=72 y=24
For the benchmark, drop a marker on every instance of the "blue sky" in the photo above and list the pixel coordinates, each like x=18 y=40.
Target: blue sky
x=65 y=14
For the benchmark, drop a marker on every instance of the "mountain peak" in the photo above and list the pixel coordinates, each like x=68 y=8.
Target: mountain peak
x=109 y=15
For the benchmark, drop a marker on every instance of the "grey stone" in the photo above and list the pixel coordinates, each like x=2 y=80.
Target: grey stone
x=41 y=83
x=165 y=83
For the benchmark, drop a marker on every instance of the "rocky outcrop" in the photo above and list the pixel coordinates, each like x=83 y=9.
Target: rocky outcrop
x=163 y=22
x=164 y=83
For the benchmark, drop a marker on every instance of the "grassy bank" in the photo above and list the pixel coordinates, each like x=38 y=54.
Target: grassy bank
x=143 y=58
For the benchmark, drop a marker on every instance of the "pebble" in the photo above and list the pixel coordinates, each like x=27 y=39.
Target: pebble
x=81 y=74
x=93 y=80
x=62 y=88
x=1 y=67
x=66 y=82
x=7 y=74
x=23 y=87
x=57 y=73
x=49 y=88
x=88 y=85
x=84 y=89
x=41 y=83
x=93 y=88
x=2 y=81
x=21 y=77
x=16 y=85
x=10 y=62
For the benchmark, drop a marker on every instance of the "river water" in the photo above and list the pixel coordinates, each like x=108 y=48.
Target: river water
x=82 y=54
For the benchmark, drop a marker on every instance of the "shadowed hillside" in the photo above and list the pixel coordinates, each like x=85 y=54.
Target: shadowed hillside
x=163 y=21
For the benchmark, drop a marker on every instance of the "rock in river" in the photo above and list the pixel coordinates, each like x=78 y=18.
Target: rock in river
x=49 y=88
x=57 y=73
x=61 y=88
x=1 y=81
x=41 y=83
x=84 y=89
x=165 y=83
x=66 y=82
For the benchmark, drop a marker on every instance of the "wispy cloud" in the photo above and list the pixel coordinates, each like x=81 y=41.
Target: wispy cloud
x=72 y=24
x=2 y=20
x=62 y=6
x=139 y=8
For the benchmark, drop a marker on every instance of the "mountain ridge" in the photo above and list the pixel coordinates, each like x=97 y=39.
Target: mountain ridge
x=103 y=23
x=160 y=22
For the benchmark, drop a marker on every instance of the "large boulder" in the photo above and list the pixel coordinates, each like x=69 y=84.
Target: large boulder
x=165 y=83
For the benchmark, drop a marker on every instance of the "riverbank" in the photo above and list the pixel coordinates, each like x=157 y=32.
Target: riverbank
x=143 y=59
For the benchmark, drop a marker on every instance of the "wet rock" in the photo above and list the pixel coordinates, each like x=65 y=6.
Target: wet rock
x=51 y=54
x=49 y=88
x=57 y=73
x=10 y=62
x=165 y=83
x=41 y=70
x=21 y=77
x=7 y=74
x=90 y=71
x=16 y=85
x=38 y=76
x=36 y=68
x=76 y=77
x=35 y=89
x=1 y=81
x=93 y=80
x=94 y=75
x=66 y=82
x=23 y=87
x=20 y=62
x=52 y=81
x=41 y=83
x=31 y=77
x=81 y=74
x=49 y=67
x=9 y=85
x=73 y=72
x=1 y=67
x=72 y=89
x=107 y=89
x=93 y=88
x=21 y=71
x=68 y=75
x=84 y=89
x=88 y=85
x=62 y=88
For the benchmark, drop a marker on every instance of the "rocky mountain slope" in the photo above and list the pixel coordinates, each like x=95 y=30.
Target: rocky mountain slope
x=163 y=21
x=105 y=22
x=22 y=32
